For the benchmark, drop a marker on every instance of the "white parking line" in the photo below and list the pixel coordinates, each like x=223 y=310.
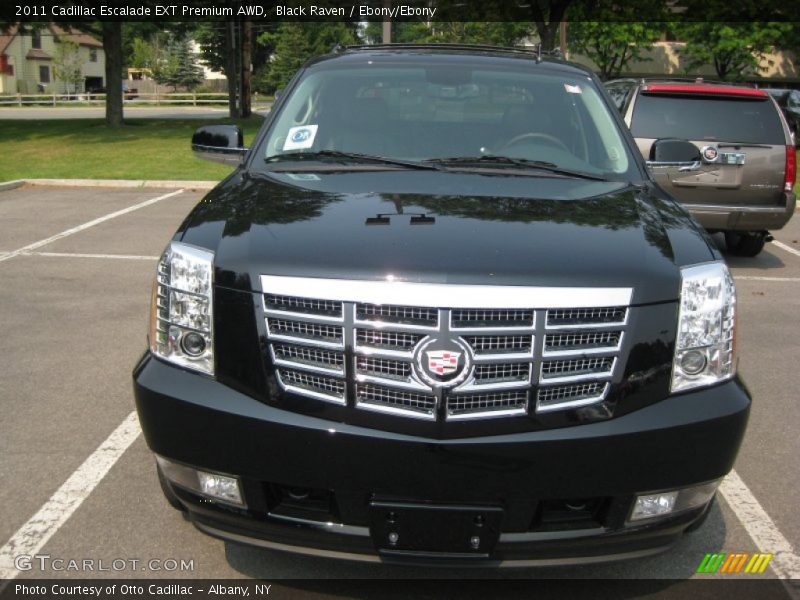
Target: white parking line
x=33 y=535
x=77 y=255
x=783 y=246
x=85 y=226
x=761 y=528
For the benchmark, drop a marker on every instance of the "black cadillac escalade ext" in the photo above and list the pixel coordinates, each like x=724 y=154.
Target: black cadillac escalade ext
x=441 y=312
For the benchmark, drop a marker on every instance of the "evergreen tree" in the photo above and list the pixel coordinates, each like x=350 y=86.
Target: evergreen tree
x=178 y=67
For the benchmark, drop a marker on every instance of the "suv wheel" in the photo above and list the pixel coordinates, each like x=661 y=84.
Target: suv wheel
x=744 y=243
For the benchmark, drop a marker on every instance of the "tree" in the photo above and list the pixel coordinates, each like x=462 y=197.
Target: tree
x=112 y=47
x=547 y=15
x=612 y=36
x=295 y=43
x=67 y=65
x=178 y=66
x=473 y=32
x=734 y=49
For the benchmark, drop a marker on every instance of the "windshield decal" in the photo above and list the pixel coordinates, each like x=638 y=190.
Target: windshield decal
x=573 y=89
x=300 y=138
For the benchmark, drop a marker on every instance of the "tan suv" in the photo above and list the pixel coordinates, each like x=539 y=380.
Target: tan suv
x=736 y=174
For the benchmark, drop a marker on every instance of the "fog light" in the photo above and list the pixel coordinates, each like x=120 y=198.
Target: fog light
x=672 y=502
x=214 y=485
x=653 y=505
x=693 y=362
x=221 y=487
x=193 y=344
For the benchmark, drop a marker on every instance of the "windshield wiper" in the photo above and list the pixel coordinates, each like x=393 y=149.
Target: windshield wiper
x=351 y=156
x=507 y=161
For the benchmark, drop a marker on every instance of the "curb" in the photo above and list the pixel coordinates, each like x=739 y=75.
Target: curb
x=111 y=183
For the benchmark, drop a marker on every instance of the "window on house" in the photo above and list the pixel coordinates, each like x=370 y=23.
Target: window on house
x=44 y=74
x=36 y=40
x=10 y=70
x=93 y=55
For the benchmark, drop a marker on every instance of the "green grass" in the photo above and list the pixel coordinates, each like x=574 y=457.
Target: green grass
x=87 y=149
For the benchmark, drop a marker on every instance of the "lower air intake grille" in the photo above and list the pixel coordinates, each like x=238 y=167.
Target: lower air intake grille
x=373 y=397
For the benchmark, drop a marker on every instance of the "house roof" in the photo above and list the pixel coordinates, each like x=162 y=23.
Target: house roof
x=7 y=38
x=73 y=35
x=80 y=38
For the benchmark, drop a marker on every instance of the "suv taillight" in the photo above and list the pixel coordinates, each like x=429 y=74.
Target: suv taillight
x=791 y=169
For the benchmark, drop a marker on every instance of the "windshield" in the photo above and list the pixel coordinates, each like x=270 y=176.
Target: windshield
x=445 y=111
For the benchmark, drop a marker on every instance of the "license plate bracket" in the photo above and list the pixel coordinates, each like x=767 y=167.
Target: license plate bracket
x=434 y=529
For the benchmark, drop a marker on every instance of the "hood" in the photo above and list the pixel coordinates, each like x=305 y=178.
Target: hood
x=445 y=227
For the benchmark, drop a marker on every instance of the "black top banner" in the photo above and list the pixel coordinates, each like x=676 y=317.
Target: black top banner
x=21 y=11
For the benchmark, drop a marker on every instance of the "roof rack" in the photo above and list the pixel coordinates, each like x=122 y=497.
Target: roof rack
x=535 y=51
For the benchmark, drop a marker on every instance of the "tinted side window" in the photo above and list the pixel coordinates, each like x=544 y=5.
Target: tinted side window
x=703 y=118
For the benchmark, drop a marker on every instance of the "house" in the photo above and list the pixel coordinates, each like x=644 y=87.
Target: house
x=26 y=60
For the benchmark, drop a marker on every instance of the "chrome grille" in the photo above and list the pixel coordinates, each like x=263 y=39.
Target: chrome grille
x=383 y=399
x=388 y=340
x=578 y=367
x=470 y=318
x=323 y=388
x=310 y=306
x=352 y=343
x=503 y=372
x=404 y=315
x=500 y=344
x=565 y=317
x=569 y=396
x=307 y=331
x=501 y=404
x=302 y=356
x=570 y=342
x=381 y=367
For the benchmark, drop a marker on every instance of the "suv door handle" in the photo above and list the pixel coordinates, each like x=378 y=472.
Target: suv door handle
x=695 y=166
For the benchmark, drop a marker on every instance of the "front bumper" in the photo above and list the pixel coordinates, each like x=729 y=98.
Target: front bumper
x=679 y=442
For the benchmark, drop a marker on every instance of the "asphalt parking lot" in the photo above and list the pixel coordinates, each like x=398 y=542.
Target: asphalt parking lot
x=76 y=266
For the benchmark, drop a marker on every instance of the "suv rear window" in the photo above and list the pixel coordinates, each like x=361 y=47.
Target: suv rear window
x=704 y=118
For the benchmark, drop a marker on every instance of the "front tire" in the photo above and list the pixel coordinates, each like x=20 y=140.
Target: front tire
x=745 y=243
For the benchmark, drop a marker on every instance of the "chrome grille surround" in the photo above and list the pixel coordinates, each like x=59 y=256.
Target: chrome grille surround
x=360 y=344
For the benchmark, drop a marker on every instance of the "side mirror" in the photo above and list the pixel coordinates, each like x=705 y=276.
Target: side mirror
x=219 y=143
x=278 y=93
x=669 y=152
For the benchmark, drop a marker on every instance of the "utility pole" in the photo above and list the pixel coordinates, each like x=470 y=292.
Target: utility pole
x=387 y=23
x=562 y=43
x=230 y=68
x=246 y=37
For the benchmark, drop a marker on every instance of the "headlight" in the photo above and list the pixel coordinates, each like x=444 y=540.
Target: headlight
x=181 y=325
x=705 y=345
